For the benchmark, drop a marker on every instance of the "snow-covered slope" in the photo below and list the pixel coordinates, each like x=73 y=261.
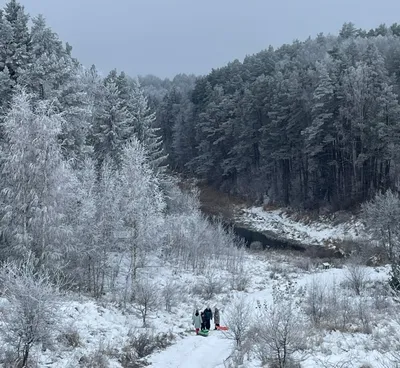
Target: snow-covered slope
x=104 y=327
x=315 y=232
x=333 y=347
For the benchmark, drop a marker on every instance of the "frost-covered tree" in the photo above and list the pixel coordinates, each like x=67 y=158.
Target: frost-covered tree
x=111 y=126
x=239 y=317
x=6 y=86
x=143 y=120
x=6 y=39
x=46 y=53
x=194 y=243
x=146 y=298
x=75 y=105
x=83 y=262
x=17 y=42
x=142 y=202
x=37 y=184
x=30 y=311
x=108 y=225
x=382 y=217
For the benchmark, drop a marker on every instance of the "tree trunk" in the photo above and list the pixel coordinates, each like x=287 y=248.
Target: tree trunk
x=25 y=356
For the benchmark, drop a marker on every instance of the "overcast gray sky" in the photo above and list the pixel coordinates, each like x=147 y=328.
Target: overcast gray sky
x=166 y=37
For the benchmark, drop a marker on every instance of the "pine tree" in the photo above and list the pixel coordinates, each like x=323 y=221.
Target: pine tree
x=47 y=61
x=166 y=116
x=6 y=40
x=18 y=48
x=6 y=88
x=145 y=130
x=184 y=136
x=212 y=147
x=111 y=127
x=319 y=137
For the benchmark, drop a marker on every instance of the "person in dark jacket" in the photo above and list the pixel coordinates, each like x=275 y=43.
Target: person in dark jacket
x=216 y=317
x=208 y=316
x=203 y=321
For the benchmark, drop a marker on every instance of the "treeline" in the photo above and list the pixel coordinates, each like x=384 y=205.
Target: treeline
x=311 y=124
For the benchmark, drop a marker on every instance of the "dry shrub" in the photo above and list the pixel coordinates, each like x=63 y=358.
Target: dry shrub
x=70 y=338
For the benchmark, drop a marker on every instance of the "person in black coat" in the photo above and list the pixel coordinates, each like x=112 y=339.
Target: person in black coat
x=208 y=316
x=203 y=321
x=216 y=317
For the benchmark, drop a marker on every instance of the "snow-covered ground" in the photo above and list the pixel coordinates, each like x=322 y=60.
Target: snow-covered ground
x=334 y=347
x=103 y=326
x=316 y=232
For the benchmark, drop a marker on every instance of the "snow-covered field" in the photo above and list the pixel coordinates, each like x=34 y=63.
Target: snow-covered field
x=104 y=328
x=334 y=347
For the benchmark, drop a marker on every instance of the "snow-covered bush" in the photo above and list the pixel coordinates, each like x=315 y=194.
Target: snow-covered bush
x=332 y=307
x=315 y=301
x=10 y=359
x=195 y=243
x=212 y=284
x=208 y=286
x=280 y=332
x=357 y=276
x=70 y=337
x=381 y=296
x=169 y=293
x=142 y=344
x=30 y=314
x=239 y=317
x=96 y=359
x=239 y=281
x=304 y=263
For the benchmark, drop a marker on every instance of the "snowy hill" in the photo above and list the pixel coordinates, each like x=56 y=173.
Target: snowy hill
x=102 y=334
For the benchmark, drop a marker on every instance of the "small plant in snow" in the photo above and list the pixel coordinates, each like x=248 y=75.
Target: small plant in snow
x=70 y=337
x=141 y=345
x=96 y=359
x=357 y=276
x=364 y=315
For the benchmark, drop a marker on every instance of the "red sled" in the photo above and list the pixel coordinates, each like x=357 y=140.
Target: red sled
x=222 y=328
